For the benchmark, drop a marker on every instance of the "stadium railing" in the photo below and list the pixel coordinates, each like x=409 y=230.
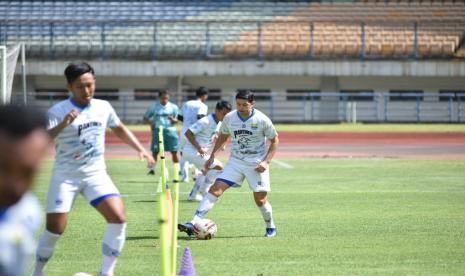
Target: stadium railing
x=223 y=39
x=308 y=107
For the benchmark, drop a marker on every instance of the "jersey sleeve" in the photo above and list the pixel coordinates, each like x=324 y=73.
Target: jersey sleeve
x=198 y=126
x=268 y=129
x=53 y=119
x=113 y=119
x=149 y=112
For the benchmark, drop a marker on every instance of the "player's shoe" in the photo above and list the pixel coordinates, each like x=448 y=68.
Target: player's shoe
x=271 y=232
x=186 y=227
x=151 y=172
x=197 y=197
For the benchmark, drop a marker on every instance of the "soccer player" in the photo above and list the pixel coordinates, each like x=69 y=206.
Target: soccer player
x=200 y=138
x=190 y=112
x=249 y=129
x=24 y=142
x=164 y=113
x=78 y=125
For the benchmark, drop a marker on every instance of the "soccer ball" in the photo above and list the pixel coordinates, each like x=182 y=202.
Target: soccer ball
x=205 y=229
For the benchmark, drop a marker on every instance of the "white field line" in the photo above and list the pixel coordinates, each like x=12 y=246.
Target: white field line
x=282 y=164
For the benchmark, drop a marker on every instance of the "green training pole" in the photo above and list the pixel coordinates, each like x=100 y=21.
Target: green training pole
x=174 y=228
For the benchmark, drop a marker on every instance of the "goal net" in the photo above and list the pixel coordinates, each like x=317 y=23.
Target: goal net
x=8 y=60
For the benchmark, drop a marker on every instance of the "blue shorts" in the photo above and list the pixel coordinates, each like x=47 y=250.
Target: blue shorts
x=170 y=138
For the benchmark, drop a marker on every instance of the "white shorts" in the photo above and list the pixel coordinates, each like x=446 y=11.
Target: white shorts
x=198 y=160
x=236 y=170
x=64 y=188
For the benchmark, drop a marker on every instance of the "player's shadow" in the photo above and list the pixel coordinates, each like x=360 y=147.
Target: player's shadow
x=221 y=237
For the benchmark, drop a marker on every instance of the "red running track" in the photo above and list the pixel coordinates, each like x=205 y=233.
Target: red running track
x=344 y=144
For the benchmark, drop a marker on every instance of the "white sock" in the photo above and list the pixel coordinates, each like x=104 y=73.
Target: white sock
x=184 y=168
x=153 y=168
x=209 y=180
x=197 y=186
x=113 y=243
x=267 y=213
x=45 y=248
x=205 y=205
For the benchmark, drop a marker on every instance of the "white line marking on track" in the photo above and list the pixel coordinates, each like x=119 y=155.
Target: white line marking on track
x=282 y=164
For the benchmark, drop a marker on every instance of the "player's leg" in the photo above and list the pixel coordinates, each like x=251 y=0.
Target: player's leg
x=231 y=176
x=211 y=176
x=154 y=146
x=193 y=157
x=260 y=185
x=112 y=209
x=104 y=196
x=61 y=195
x=184 y=163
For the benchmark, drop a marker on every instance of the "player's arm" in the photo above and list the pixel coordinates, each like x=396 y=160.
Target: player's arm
x=262 y=166
x=128 y=137
x=222 y=138
x=69 y=119
x=191 y=138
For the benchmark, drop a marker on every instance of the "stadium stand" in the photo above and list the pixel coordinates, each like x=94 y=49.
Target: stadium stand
x=235 y=29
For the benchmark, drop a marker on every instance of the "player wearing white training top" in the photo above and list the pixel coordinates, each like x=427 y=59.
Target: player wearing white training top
x=249 y=130
x=79 y=125
x=190 y=112
x=24 y=143
x=200 y=138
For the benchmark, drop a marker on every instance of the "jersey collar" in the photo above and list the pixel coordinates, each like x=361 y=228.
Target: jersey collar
x=73 y=102
x=245 y=119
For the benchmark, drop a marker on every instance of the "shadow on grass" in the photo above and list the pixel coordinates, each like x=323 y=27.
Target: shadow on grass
x=144 y=201
x=139 y=181
x=137 y=238
x=221 y=237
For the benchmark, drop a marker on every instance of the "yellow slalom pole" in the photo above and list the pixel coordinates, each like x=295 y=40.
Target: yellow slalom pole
x=163 y=212
x=161 y=147
x=174 y=235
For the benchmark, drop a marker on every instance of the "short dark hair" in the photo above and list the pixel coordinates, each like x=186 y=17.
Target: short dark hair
x=19 y=121
x=245 y=95
x=223 y=105
x=75 y=70
x=163 y=92
x=201 y=91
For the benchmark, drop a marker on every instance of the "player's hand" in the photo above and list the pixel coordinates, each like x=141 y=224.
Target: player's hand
x=209 y=163
x=70 y=117
x=261 y=167
x=150 y=161
x=202 y=151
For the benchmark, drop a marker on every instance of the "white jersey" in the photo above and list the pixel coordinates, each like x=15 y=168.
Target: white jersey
x=18 y=226
x=80 y=146
x=248 y=135
x=190 y=110
x=204 y=131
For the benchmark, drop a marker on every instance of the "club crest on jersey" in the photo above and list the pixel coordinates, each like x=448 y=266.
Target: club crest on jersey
x=254 y=126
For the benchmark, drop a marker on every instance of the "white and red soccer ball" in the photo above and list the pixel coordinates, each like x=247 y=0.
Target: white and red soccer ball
x=205 y=229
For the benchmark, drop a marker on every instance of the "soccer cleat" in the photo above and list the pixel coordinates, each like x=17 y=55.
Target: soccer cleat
x=151 y=172
x=271 y=232
x=198 y=197
x=186 y=227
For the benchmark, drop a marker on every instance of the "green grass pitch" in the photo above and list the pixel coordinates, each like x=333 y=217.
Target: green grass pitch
x=334 y=217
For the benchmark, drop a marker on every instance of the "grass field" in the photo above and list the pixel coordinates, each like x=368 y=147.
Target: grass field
x=355 y=127
x=334 y=217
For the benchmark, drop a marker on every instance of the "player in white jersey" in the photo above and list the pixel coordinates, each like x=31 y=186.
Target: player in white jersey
x=190 y=112
x=200 y=137
x=249 y=130
x=78 y=126
x=24 y=142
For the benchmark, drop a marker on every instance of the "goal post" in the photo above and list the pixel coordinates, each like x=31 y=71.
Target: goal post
x=8 y=60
